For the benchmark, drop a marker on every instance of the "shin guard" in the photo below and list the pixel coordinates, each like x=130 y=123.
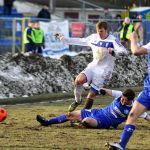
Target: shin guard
x=88 y=103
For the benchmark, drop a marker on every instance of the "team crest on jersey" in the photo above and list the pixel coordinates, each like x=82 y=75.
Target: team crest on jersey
x=126 y=111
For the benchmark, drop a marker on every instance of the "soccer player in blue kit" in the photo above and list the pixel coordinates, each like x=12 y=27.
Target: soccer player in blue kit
x=105 y=48
x=142 y=104
x=102 y=118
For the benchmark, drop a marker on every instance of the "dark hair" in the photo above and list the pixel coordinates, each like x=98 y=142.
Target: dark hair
x=129 y=93
x=102 y=24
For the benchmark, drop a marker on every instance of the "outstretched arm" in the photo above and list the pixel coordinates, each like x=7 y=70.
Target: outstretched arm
x=104 y=91
x=72 y=41
x=112 y=93
x=136 y=50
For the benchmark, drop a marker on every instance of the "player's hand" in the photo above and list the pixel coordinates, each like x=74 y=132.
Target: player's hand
x=111 y=51
x=102 y=92
x=58 y=35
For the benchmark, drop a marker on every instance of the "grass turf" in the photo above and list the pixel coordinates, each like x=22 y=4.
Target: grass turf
x=20 y=131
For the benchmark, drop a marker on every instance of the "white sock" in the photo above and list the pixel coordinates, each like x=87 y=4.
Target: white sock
x=78 y=92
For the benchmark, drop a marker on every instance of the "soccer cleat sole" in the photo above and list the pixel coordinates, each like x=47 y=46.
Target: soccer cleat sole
x=110 y=147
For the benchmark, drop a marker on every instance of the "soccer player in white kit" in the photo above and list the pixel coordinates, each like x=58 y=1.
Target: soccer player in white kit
x=105 y=48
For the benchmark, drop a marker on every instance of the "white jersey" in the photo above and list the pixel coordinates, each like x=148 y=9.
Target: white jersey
x=97 y=44
x=100 y=69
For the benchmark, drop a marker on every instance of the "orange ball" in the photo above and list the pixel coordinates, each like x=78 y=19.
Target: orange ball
x=3 y=114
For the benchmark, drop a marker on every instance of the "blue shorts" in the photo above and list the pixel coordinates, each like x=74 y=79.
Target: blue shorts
x=144 y=98
x=98 y=115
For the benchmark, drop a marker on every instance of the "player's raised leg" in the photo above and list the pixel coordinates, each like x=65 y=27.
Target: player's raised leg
x=78 y=89
x=129 y=128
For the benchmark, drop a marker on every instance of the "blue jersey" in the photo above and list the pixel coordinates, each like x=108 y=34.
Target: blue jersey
x=112 y=115
x=116 y=113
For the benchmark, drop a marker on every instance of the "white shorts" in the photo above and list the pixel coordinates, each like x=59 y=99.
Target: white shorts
x=97 y=76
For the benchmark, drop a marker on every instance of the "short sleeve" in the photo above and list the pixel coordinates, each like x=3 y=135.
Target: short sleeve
x=116 y=94
x=147 y=46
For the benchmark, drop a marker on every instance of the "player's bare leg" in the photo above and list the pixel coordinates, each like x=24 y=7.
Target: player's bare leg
x=78 y=89
x=135 y=112
x=129 y=128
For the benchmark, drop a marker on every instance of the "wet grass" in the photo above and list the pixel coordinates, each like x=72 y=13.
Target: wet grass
x=20 y=131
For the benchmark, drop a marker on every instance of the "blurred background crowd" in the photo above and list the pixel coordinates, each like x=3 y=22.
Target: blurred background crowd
x=74 y=18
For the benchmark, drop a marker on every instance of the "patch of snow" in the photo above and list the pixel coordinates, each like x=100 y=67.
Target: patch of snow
x=15 y=74
x=59 y=54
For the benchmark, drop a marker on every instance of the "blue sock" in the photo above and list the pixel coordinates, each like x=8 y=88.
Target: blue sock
x=59 y=119
x=126 y=134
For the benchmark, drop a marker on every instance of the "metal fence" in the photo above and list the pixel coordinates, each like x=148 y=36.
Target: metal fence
x=11 y=32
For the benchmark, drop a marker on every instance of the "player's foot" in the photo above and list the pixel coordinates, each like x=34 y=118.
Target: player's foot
x=74 y=105
x=113 y=146
x=42 y=120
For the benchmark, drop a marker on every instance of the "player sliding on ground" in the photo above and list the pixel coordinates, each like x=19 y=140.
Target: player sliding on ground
x=105 y=48
x=110 y=116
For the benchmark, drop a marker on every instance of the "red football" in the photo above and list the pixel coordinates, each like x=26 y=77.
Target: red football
x=3 y=114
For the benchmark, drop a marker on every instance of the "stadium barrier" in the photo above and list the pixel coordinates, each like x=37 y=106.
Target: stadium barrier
x=11 y=32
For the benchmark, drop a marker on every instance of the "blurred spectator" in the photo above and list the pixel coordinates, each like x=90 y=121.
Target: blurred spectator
x=139 y=17
x=107 y=14
x=118 y=22
x=139 y=28
x=44 y=13
x=28 y=37
x=8 y=4
x=125 y=31
x=134 y=16
x=38 y=38
x=133 y=5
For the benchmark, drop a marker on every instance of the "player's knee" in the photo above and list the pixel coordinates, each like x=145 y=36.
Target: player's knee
x=87 y=120
x=78 y=82
x=80 y=79
x=86 y=123
x=131 y=115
